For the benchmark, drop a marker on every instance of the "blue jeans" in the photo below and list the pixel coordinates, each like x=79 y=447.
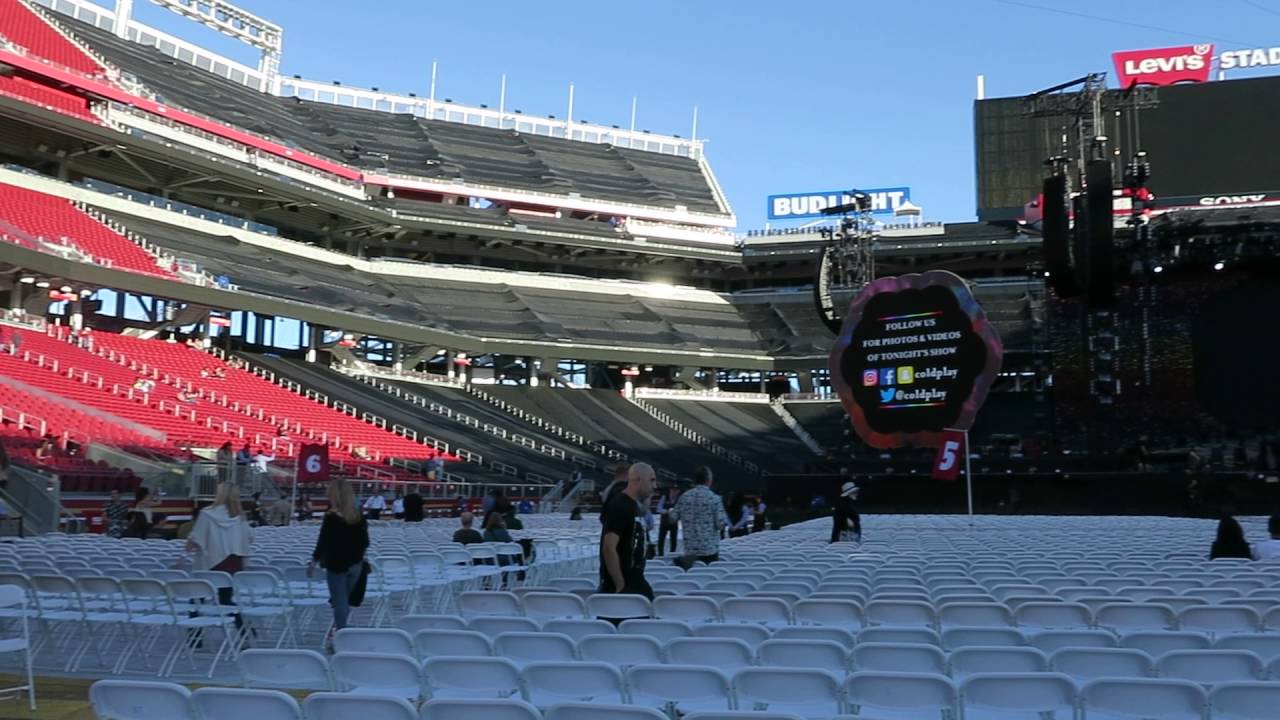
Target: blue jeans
x=340 y=586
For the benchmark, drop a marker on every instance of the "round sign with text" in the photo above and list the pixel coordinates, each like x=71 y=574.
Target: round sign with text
x=915 y=357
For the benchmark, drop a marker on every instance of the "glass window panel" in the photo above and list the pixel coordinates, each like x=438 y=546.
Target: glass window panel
x=365 y=102
x=345 y=99
x=237 y=75
x=325 y=96
x=186 y=55
x=383 y=105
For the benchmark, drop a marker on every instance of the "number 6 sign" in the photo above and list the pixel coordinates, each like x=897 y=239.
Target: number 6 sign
x=313 y=463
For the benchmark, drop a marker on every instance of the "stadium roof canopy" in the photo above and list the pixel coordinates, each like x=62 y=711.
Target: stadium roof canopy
x=409 y=146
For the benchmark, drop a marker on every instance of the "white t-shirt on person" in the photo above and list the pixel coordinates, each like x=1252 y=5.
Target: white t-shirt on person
x=1267 y=549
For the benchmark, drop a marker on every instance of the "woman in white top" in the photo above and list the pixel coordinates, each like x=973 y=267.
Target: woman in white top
x=221 y=537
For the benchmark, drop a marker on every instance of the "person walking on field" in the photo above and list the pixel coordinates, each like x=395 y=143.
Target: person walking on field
x=702 y=514
x=220 y=538
x=340 y=549
x=622 y=539
x=846 y=523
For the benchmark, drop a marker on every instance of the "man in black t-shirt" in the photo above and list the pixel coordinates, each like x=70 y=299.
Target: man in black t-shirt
x=622 y=539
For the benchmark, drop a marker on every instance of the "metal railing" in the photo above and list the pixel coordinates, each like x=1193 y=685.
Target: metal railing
x=36 y=497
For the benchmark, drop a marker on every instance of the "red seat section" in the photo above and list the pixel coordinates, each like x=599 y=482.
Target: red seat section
x=159 y=385
x=46 y=97
x=55 y=218
x=23 y=26
x=268 y=405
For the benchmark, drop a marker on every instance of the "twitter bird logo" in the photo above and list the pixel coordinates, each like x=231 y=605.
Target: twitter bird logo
x=886 y=394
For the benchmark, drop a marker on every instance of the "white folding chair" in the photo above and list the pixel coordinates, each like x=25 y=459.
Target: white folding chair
x=958 y=637
x=391 y=641
x=1127 y=617
x=898 y=657
x=549 y=606
x=901 y=613
x=661 y=630
x=1133 y=698
x=805 y=692
x=140 y=700
x=14 y=599
x=1090 y=663
x=1053 y=616
x=1210 y=667
x=752 y=635
x=397 y=676
x=344 y=706
x=487 y=602
x=1158 y=643
x=970 y=660
x=1266 y=646
x=460 y=709
x=285 y=669
x=902 y=695
x=690 y=609
x=430 y=643
x=213 y=703
x=1244 y=700
x=821 y=654
x=1004 y=695
x=413 y=623
x=920 y=635
x=619 y=606
x=770 y=612
x=1048 y=641
x=1219 y=620
x=494 y=625
x=966 y=614
x=457 y=677
x=621 y=650
x=578 y=629
x=549 y=683
x=523 y=648
x=679 y=689
x=844 y=614
x=726 y=653
x=591 y=711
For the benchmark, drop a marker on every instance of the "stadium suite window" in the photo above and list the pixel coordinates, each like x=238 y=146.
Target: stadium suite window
x=307 y=93
x=383 y=105
x=403 y=108
x=473 y=119
x=204 y=62
x=346 y=99
x=524 y=127
x=237 y=76
x=365 y=102
x=288 y=90
x=186 y=56
x=325 y=96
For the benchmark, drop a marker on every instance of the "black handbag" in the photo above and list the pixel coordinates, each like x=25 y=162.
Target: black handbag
x=356 y=598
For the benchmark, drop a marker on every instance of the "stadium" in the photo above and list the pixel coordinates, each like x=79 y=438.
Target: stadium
x=231 y=293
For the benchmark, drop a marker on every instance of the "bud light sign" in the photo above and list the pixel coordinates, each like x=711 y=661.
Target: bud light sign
x=794 y=206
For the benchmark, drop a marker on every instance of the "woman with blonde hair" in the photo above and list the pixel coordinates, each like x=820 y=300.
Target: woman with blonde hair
x=344 y=538
x=220 y=537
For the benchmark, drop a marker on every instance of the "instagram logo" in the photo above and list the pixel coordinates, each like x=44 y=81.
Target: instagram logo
x=869 y=378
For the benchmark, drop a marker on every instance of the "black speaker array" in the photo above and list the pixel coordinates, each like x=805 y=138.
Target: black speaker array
x=1100 y=287
x=1055 y=229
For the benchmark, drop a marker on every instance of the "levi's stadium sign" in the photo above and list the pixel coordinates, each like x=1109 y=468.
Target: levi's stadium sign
x=914 y=359
x=1164 y=66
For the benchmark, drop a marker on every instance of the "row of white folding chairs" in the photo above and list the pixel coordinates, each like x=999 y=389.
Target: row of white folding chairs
x=1256 y=657
x=809 y=692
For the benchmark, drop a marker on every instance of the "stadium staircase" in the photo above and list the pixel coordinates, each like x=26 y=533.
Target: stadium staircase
x=27 y=32
x=747 y=427
x=492 y=449
x=58 y=221
x=693 y=436
x=794 y=425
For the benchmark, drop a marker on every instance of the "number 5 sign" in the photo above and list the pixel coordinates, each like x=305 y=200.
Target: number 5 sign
x=950 y=458
x=313 y=463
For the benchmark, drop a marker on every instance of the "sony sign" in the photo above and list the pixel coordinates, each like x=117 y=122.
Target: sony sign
x=794 y=206
x=1164 y=66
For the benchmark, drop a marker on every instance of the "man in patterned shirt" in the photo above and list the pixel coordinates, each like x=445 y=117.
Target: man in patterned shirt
x=702 y=514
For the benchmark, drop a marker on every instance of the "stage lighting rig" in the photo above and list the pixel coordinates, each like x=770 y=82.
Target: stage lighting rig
x=848 y=260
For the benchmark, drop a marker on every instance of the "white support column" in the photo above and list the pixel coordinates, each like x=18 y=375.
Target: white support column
x=124 y=13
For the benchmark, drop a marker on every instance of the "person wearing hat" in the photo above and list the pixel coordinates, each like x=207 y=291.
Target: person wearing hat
x=846 y=518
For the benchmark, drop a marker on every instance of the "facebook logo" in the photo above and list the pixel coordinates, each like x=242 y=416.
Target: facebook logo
x=888 y=376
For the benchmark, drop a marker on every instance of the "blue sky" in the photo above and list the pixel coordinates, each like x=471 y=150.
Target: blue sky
x=794 y=97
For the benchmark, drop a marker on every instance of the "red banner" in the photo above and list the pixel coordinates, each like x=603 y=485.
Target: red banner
x=946 y=466
x=1163 y=66
x=313 y=464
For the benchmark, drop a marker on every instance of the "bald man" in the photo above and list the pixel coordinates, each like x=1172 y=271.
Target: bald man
x=622 y=539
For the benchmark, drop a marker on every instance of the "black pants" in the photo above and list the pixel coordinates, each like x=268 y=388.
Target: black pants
x=665 y=530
